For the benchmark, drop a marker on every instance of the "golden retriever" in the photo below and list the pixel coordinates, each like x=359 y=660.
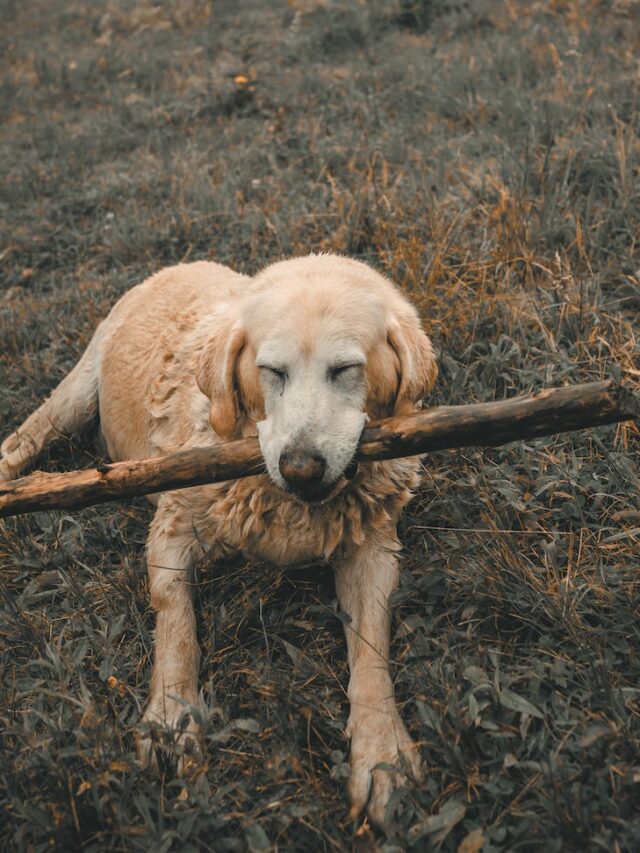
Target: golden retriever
x=300 y=355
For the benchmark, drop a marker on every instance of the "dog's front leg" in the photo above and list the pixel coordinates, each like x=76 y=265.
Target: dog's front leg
x=174 y=681
x=365 y=577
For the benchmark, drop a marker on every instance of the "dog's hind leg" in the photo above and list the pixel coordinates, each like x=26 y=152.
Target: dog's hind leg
x=71 y=405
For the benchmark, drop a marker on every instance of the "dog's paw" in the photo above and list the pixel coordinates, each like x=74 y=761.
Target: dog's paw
x=5 y=471
x=170 y=737
x=9 y=468
x=379 y=737
x=12 y=460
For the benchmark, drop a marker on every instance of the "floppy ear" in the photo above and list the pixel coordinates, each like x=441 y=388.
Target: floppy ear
x=216 y=378
x=402 y=370
x=418 y=368
x=249 y=388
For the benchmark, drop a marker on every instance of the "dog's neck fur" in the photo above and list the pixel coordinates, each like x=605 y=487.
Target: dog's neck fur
x=255 y=516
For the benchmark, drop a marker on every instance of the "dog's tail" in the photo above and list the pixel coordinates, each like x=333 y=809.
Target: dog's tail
x=72 y=404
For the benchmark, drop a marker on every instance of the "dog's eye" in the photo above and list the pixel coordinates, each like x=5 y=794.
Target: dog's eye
x=342 y=370
x=278 y=372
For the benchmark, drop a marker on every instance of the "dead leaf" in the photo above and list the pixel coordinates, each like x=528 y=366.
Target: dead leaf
x=472 y=842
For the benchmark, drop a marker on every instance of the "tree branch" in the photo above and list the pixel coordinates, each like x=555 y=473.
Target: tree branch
x=480 y=425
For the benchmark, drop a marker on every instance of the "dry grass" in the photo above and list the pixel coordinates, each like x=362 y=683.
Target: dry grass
x=486 y=156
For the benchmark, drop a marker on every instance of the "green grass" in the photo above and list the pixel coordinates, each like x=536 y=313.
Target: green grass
x=485 y=155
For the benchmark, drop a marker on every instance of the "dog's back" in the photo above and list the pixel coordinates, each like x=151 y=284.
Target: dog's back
x=130 y=350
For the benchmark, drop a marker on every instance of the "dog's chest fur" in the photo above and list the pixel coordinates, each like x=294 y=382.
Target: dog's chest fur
x=254 y=516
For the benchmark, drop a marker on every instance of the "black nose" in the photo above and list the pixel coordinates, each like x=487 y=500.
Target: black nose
x=302 y=469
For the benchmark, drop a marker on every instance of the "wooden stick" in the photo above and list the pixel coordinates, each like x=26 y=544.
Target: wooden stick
x=481 y=425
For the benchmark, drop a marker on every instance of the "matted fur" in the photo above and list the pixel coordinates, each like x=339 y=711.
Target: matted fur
x=255 y=517
x=301 y=355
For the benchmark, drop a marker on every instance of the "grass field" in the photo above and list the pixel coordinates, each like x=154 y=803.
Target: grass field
x=483 y=154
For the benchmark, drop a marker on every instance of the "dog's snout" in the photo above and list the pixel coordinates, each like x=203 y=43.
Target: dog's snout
x=301 y=468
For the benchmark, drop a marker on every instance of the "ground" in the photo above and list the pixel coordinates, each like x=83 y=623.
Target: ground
x=484 y=155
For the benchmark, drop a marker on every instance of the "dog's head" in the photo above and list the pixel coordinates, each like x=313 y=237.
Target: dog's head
x=317 y=344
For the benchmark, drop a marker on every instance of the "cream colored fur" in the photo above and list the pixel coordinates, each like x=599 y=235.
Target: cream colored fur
x=187 y=359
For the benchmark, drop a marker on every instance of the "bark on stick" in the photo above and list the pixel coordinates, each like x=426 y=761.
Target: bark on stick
x=550 y=411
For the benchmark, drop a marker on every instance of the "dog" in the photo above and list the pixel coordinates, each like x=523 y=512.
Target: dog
x=300 y=355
